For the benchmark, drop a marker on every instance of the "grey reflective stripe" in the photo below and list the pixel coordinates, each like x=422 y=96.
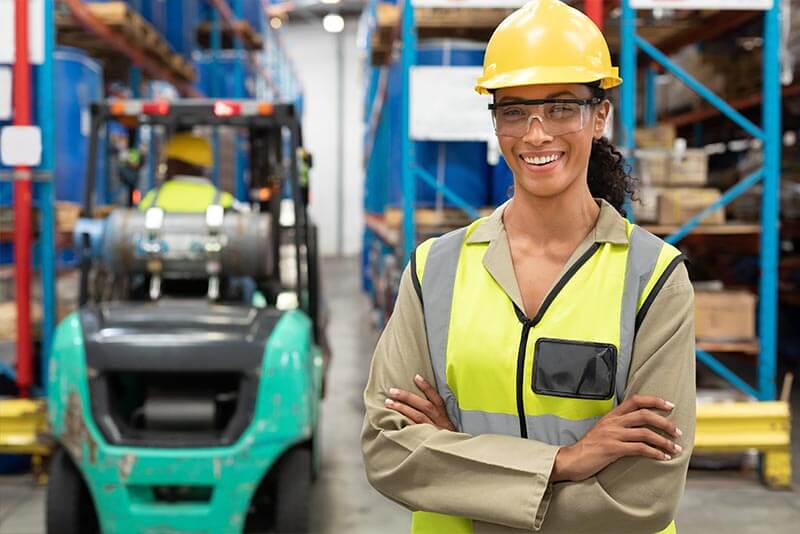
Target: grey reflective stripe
x=217 y=195
x=437 y=287
x=643 y=252
x=545 y=428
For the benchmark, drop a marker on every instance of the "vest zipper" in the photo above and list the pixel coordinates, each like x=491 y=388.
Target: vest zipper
x=527 y=324
x=523 y=346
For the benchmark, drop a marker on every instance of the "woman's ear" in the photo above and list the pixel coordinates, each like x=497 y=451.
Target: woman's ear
x=602 y=112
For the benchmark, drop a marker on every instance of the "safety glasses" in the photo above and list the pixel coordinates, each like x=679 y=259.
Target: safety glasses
x=557 y=116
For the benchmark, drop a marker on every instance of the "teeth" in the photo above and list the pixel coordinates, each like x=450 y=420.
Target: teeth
x=543 y=160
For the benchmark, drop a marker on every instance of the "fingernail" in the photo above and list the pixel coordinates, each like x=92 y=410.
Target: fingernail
x=388 y=402
x=669 y=404
x=678 y=448
x=678 y=432
x=393 y=391
x=667 y=457
x=418 y=378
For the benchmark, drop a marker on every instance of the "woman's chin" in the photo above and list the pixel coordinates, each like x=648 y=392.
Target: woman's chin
x=543 y=185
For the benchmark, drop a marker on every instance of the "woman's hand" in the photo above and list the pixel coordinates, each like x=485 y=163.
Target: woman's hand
x=431 y=410
x=621 y=432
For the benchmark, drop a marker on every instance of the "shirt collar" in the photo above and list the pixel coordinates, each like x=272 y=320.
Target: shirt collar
x=610 y=228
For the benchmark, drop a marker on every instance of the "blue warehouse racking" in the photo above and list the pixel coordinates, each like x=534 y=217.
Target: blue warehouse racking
x=731 y=427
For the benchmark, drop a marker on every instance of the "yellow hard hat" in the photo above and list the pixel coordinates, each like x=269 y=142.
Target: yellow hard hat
x=546 y=41
x=189 y=149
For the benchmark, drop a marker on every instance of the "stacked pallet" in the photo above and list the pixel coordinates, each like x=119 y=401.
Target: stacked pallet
x=252 y=39
x=127 y=23
x=432 y=23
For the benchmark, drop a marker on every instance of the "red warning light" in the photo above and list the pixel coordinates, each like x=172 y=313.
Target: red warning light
x=157 y=107
x=226 y=109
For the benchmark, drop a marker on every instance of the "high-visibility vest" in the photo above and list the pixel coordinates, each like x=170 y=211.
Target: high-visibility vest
x=185 y=196
x=550 y=377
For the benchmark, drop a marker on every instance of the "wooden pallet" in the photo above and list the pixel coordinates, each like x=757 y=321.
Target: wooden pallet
x=472 y=23
x=132 y=27
x=445 y=218
x=479 y=24
x=253 y=40
x=748 y=346
x=432 y=23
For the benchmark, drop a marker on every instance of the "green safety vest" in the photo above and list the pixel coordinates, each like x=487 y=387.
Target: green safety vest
x=527 y=388
x=184 y=196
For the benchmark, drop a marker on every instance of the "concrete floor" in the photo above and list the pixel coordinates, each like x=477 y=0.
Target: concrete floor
x=345 y=503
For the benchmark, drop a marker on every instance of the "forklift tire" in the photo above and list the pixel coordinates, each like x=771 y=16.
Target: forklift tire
x=293 y=492
x=69 y=506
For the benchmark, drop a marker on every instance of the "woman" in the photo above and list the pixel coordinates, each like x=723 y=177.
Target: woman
x=538 y=370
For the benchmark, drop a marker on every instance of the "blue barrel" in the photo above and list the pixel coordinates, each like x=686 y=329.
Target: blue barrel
x=223 y=84
x=183 y=18
x=502 y=182
x=155 y=12
x=79 y=80
x=6 y=186
x=459 y=165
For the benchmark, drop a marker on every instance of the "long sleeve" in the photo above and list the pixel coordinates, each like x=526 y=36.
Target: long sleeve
x=636 y=494
x=503 y=481
x=490 y=478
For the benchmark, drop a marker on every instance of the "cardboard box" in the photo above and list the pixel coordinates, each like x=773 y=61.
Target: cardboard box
x=653 y=166
x=678 y=205
x=660 y=136
x=689 y=168
x=67 y=215
x=645 y=208
x=725 y=315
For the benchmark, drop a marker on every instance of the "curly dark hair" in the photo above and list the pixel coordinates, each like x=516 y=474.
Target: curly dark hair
x=609 y=177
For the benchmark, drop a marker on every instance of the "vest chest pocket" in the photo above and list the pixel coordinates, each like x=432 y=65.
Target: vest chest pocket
x=574 y=369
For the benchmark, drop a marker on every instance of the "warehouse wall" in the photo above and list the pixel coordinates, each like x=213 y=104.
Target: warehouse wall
x=313 y=52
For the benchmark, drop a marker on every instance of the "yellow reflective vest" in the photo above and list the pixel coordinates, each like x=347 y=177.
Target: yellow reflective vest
x=551 y=377
x=186 y=194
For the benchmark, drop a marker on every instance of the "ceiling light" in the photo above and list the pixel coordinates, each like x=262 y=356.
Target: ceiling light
x=333 y=23
x=329 y=1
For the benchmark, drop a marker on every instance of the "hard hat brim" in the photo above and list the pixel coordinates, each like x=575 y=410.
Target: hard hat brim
x=547 y=75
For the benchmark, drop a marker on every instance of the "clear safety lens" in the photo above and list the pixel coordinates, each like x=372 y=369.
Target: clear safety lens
x=556 y=118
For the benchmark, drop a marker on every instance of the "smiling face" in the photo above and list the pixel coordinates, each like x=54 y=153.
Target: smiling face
x=544 y=165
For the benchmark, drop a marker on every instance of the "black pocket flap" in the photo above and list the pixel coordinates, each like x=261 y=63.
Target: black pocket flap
x=575 y=369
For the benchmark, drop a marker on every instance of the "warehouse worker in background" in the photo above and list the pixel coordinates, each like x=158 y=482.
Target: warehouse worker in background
x=186 y=187
x=538 y=371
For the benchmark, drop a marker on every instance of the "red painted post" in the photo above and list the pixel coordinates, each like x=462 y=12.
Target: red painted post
x=22 y=205
x=594 y=10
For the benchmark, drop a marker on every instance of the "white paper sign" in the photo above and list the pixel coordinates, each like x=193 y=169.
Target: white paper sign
x=35 y=31
x=21 y=145
x=445 y=106
x=5 y=93
x=702 y=4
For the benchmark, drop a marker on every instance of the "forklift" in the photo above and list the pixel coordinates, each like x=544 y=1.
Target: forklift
x=184 y=393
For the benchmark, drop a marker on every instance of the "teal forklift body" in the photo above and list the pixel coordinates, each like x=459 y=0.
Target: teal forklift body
x=216 y=483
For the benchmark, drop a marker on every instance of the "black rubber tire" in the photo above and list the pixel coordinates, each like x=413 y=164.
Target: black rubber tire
x=69 y=505
x=292 y=492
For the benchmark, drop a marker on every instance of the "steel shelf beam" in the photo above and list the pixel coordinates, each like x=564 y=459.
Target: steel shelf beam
x=770 y=134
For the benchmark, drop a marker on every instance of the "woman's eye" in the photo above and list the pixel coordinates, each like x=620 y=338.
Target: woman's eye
x=511 y=113
x=562 y=110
